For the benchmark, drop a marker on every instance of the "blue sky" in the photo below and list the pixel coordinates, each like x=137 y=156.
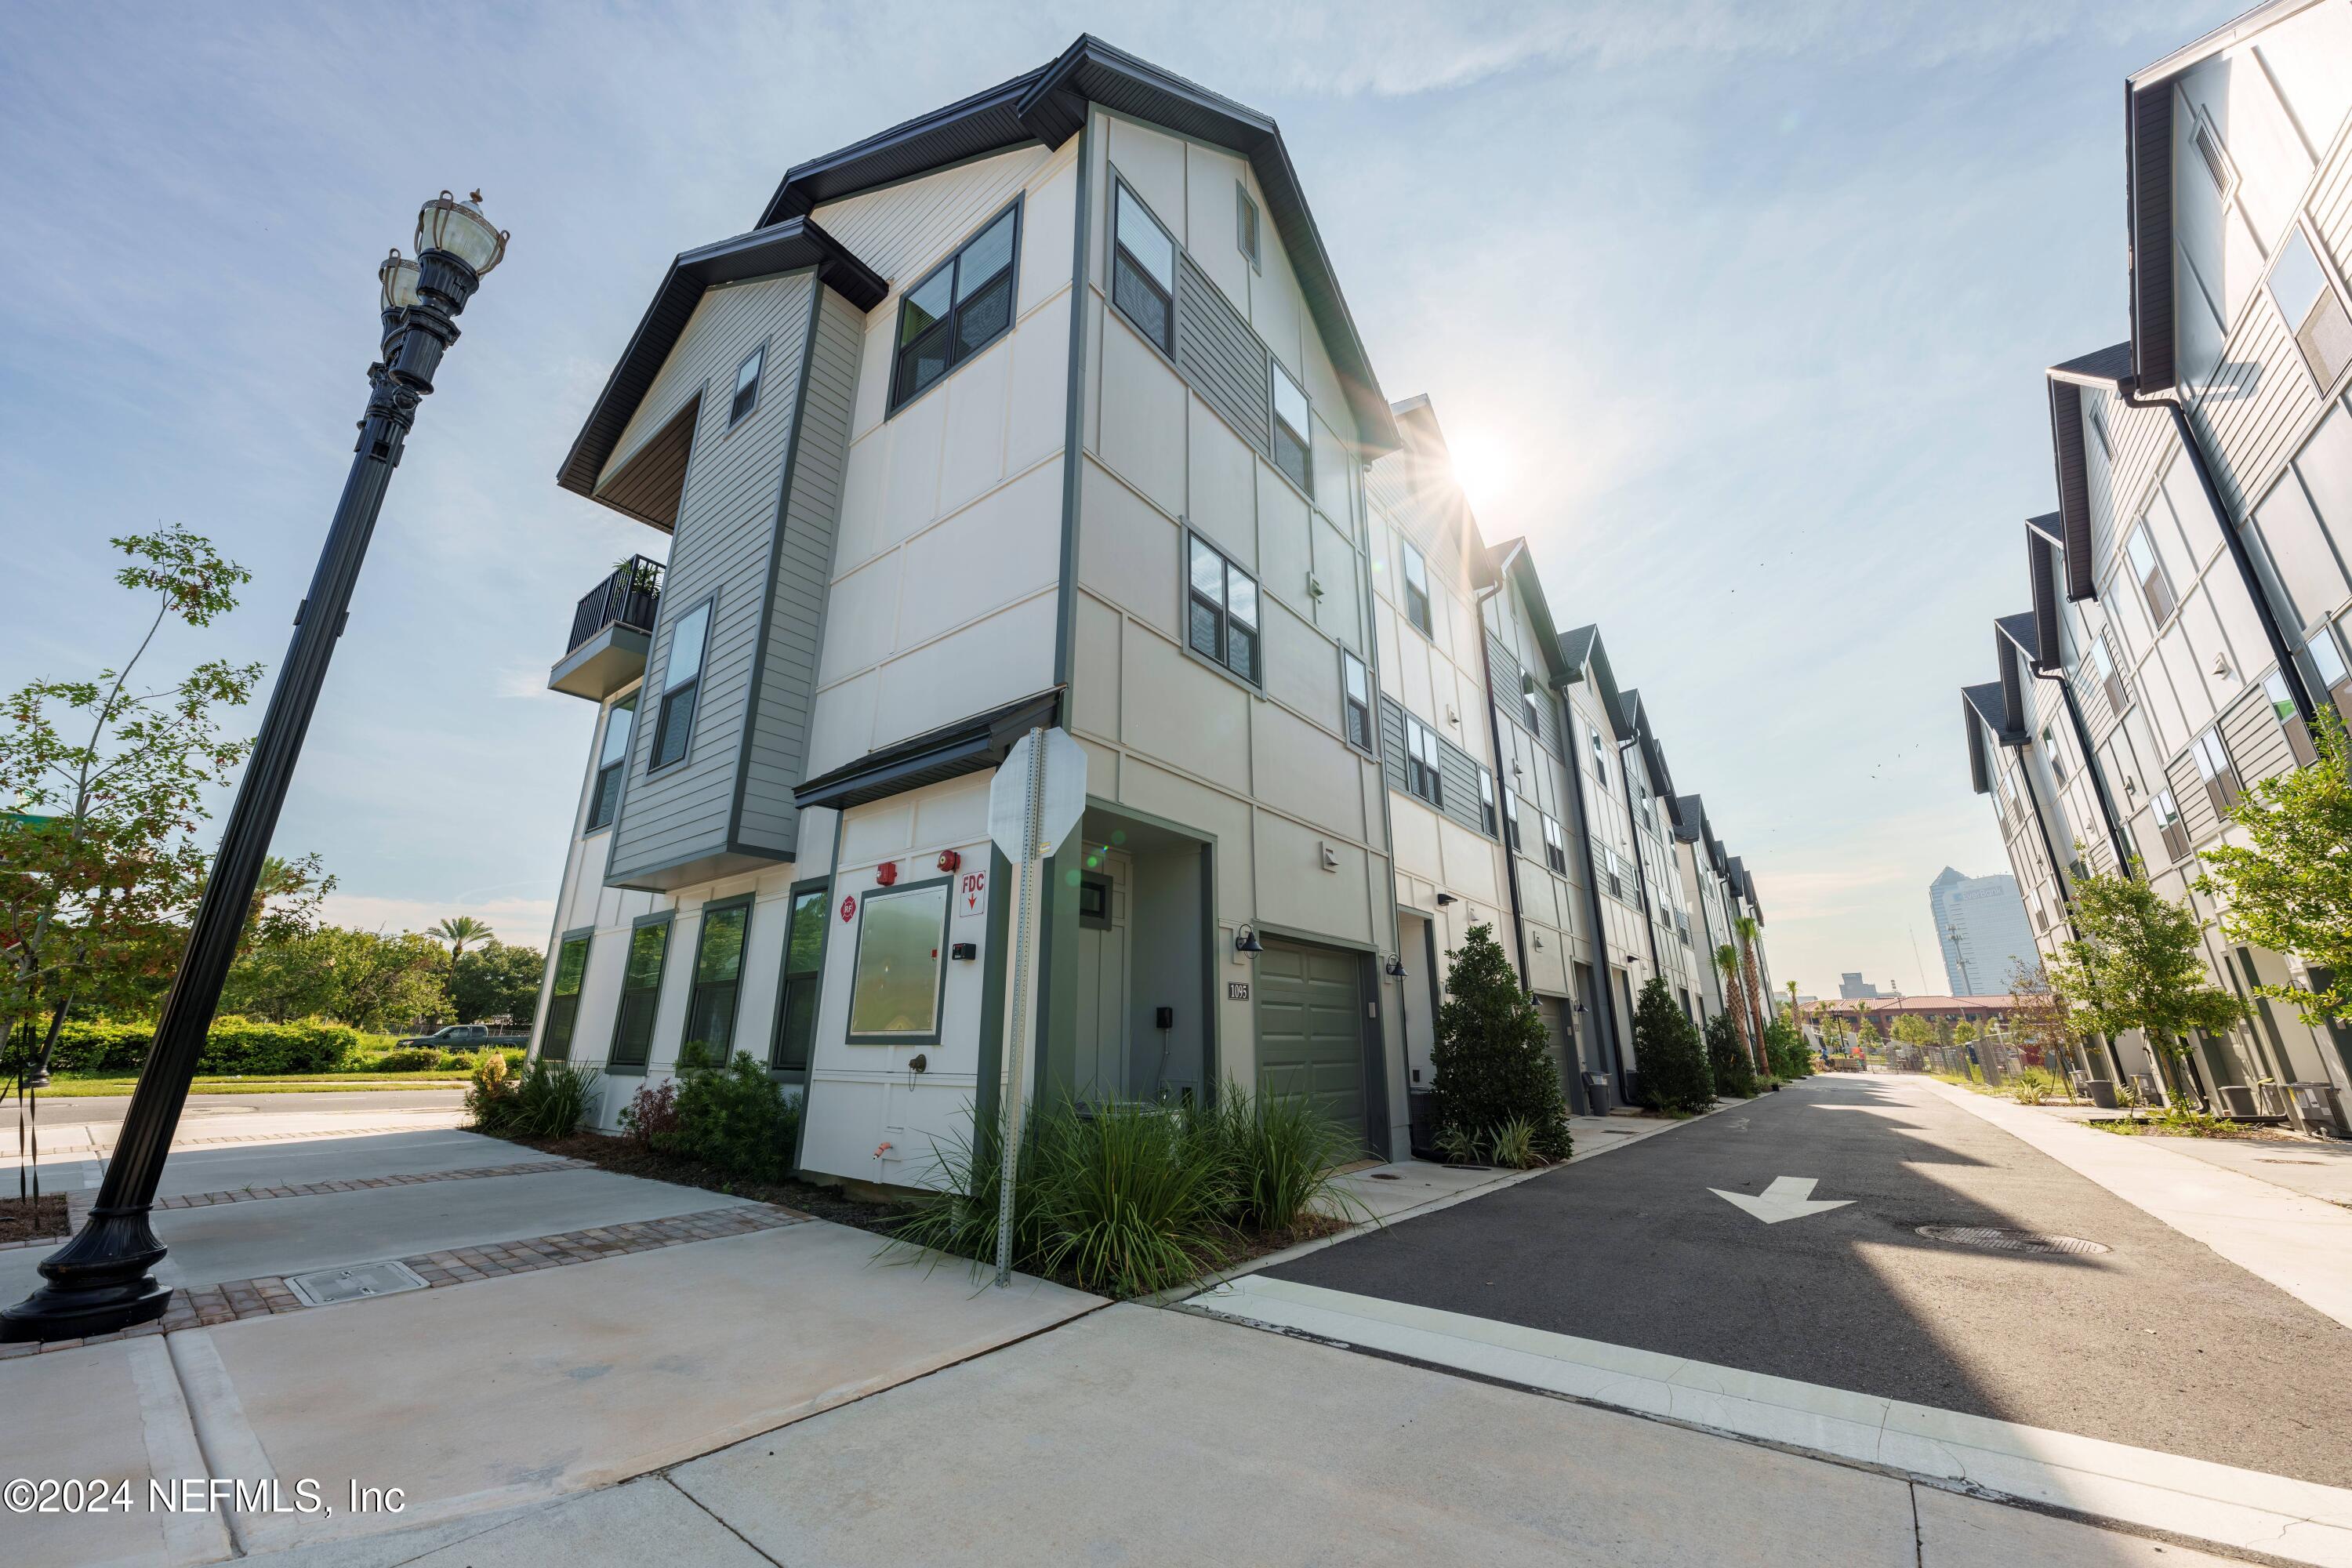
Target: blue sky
x=1738 y=311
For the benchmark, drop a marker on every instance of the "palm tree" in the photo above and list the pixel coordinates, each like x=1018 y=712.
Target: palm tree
x=1754 y=989
x=458 y=931
x=279 y=878
x=1735 y=1000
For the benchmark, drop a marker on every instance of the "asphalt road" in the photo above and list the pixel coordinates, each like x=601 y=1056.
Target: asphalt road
x=2158 y=1342
x=112 y=1107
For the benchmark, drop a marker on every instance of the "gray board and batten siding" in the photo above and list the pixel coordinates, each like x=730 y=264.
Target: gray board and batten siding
x=754 y=541
x=1455 y=766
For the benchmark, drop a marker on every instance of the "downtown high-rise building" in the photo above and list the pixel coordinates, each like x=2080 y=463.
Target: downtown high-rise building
x=1980 y=925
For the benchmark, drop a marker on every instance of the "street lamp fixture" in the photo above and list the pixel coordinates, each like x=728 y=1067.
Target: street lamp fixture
x=102 y=1279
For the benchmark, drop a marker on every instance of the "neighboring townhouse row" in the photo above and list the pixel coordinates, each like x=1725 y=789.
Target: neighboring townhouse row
x=1047 y=409
x=2189 y=597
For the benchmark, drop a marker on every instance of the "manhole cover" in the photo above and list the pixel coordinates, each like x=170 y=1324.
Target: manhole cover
x=1994 y=1238
x=356 y=1282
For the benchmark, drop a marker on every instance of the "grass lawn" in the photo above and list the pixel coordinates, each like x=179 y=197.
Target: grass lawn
x=278 y=1083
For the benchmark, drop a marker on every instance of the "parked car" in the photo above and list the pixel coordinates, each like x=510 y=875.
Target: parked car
x=461 y=1038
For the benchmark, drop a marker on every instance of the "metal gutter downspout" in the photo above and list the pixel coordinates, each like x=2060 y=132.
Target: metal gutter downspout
x=1495 y=741
x=1603 y=1005
x=2237 y=553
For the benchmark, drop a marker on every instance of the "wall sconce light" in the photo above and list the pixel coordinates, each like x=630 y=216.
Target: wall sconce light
x=1443 y=899
x=1330 y=855
x=1539 y=945
x=1634 y=958
x=1245 y=941
x=1395 y=969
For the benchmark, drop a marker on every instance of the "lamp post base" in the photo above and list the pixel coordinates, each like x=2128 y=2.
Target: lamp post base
x=96 y=1282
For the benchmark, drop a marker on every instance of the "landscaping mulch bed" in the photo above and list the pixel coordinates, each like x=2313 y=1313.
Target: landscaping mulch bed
x=27 y=1219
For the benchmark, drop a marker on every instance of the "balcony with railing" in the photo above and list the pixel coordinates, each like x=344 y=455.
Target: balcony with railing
x=610 y=630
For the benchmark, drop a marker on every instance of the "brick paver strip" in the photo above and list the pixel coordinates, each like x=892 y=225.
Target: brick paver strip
x=233 y=1300
x=78 y=1203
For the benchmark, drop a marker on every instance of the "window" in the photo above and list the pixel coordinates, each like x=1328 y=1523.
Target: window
x=1486 y=818
x=1223 y=620
x=1416 y=588
x=2220 y=774
x=2050 y=750
x=2112 y=683
x=2328 y=663
x=2148 y=573
x=1531 y=702
x=641 y=977
x=1245 y=223
x=1511 y=819
x=1093 y=902
x=1143 y=271
x=2282 y=707
x=718 y=982
x=1355 y=701
x=804 y=962
x=1555 y=846
x=1292 y=443
x=894 y=997
x=2314 y=315
x=564 y=999
x=1424 y=774
x=1642 y=800
x=1600 y=761
x=962 y=307
x=612 y=761
x=2168 y=824
x=747 y=386
x=682 y=680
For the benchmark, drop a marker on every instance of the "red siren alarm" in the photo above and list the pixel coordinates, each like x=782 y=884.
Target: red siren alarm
x=949 y=860
x=887 y=872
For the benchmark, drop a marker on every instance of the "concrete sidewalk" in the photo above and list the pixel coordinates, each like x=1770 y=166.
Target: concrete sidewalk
x=2302 y=1245
x=1142 y=1436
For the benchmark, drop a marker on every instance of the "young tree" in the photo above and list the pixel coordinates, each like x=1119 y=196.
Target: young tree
x=99 y=870
x=1753 y=990
x=1493 y=1055
x=2135 y=965
x=2041 y=1015
x=1673 y=1060
x=366 y=979
x=2291 y=888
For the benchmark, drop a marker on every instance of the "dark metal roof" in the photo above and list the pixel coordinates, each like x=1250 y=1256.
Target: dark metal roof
x=2047 y=526
x=1690 y=818
x=1576 y=647
x=2105 y=367
x=1512 y=559
x=1980 y=765
x=1748 y=880
x=2020 y=631
x=963 y=747
x=2042 y=571
x=1985 y=700
x=1048 y=106
x=785 y=247
x=2065 y=383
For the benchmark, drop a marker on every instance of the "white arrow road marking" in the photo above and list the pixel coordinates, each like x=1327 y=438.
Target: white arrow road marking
x=1789 y=1197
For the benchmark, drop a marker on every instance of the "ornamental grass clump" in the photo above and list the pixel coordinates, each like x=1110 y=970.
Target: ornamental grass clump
x=1282 y=1156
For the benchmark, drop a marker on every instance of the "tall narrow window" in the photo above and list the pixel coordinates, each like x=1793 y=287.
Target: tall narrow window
x=894 y=995
x=641 y=977
x=1246 y=223
x=2313 y=311
x=2148 y=573
x=1223 y=622
x=718 y=984
x=1531 y=702
x=681 y=682
x=1293 y=448
x=1555 y=846
x=1143 y=271
x=962 y=307
x=2220 y=774
x=1600 y=759
x=804 y=960
x=2099 y=431
x=1511 y=818
x=2290 y=719
x=1416 y=588
x=612 y=761
x=2328 y=663
x=2216 y=160
x=1356 y=700
x=2050 y=750
x=564 y=999
x=2168 y=824
x=2103 y=665
x=1486 y=817
x=747 y=386
x=1424 y=772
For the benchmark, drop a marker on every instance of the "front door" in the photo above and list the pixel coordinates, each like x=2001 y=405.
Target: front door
x=1310 y=1036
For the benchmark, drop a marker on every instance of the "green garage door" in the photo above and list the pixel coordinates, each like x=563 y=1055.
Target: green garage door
x=1310 y=1028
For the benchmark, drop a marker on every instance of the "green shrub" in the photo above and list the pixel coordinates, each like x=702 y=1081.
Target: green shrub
x=1672 y=1059
x=734 y=1117
x=234 y=1045
x=553 y=1098
x=491 y=1098
x=1728 y=1060
x=412 y=1058
x=1282 y=1155
x=2032 y=1086
x=1495 y=1059
x=1785 y=1049
x=651 y=1115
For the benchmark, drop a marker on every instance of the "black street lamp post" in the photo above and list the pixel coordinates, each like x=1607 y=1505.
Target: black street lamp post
x=100 y=1280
